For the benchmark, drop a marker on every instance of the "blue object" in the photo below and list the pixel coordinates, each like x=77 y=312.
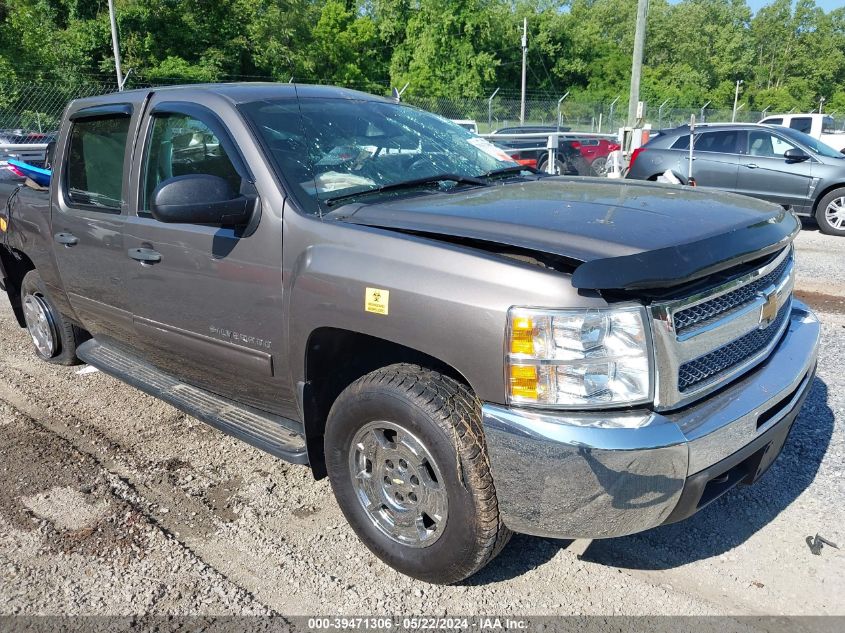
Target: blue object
x=38 y=174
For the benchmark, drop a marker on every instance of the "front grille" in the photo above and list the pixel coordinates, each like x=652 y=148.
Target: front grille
x=703 y=312
x=695 y=372
x=708 y=338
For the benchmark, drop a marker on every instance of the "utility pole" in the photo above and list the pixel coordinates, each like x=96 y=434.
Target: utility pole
x=736 y=99
x=116 y=47
x=637 y=62
x=524 y=62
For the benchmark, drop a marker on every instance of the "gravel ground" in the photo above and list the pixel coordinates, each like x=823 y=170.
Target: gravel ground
x=819 y=256
x=113 y=503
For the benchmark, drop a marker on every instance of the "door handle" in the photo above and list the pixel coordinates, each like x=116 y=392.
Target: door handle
x=752 y=165
x=145 y=255
x=68 y=239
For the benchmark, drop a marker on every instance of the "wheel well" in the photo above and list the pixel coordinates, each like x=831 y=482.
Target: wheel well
x=335 y=359
x=16 y=265
x=824 y=192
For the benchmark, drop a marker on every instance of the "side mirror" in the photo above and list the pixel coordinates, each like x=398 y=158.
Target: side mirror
x=796 y=155
x=199 y=199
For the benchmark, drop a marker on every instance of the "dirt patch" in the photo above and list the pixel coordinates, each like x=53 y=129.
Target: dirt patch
x=21 y=446
x=821 y=301
x=304 y=512
x=221 y=498
x=67 y=509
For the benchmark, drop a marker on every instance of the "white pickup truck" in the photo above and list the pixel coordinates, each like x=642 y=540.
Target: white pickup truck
x=820 y=126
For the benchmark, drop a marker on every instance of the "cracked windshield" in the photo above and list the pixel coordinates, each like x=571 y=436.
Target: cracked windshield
x=330 y=150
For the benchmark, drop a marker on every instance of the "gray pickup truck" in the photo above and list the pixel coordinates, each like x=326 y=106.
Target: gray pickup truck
x=464 y=347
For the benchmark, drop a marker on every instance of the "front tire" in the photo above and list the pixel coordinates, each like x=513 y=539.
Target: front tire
x=830 y=213
x=406 y=457
x=53 y=337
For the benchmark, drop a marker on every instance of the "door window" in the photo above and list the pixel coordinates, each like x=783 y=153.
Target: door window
x=95 y=162
x=776 y=121
x=723 y=142
x=180 y=145
x=802 y=124
x=761 y=143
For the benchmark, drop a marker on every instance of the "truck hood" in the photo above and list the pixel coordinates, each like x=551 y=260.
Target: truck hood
x=620 y=234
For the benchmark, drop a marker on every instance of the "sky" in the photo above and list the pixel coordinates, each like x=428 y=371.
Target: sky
x=827 y=5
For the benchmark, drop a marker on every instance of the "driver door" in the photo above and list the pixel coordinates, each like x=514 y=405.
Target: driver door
x=206 y=300
x=765 y=173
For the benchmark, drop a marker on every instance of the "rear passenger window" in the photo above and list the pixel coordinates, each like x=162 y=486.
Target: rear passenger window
x=95 y=162
x=180 y=145
x=802 y=124
x=773 y=121
x=723 y=142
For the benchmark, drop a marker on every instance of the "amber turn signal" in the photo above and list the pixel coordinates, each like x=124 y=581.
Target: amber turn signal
x=523 y=381
x=522 y=335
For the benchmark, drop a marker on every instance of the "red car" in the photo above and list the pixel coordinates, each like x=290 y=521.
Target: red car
x=595 y=152
x=592 y=149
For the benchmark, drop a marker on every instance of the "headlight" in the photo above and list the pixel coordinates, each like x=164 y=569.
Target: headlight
x=578 y=358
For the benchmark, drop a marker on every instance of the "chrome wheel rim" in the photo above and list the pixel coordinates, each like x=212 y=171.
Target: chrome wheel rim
x=600 y=166
x=398 y=484
x=41 y=325
x=835 y=213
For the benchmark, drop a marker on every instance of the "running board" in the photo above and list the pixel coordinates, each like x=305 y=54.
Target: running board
x=274 y=434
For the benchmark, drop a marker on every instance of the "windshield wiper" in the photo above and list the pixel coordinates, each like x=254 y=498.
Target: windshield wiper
x=409 y=184
x=504 y=171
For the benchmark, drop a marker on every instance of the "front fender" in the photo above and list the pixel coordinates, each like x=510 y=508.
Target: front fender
x=447 y=301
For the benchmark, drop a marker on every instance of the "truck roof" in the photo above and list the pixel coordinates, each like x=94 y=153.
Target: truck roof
x=813 y=115
x=238 y=92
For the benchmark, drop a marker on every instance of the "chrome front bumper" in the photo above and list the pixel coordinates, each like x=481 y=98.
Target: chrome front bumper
x=598 y=475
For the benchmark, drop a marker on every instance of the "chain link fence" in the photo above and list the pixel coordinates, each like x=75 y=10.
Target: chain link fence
x=580 y=116
x=38 y=106
x=34 y=106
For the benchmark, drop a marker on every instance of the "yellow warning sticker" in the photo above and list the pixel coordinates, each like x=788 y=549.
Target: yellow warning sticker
x=376 y=300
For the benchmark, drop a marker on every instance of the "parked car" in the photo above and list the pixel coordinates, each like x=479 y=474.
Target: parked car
x=23 y=137
x=577 y=155
x=467 y=124
x=464 y=347
x=595 y=151
x=819 y=126
x=30 y=147
x=774 y=163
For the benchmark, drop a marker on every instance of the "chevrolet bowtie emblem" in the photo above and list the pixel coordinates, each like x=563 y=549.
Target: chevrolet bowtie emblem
x=769 y=311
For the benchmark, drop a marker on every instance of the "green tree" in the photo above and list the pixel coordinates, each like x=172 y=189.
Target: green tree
x=346 y=48
x=446 y=50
